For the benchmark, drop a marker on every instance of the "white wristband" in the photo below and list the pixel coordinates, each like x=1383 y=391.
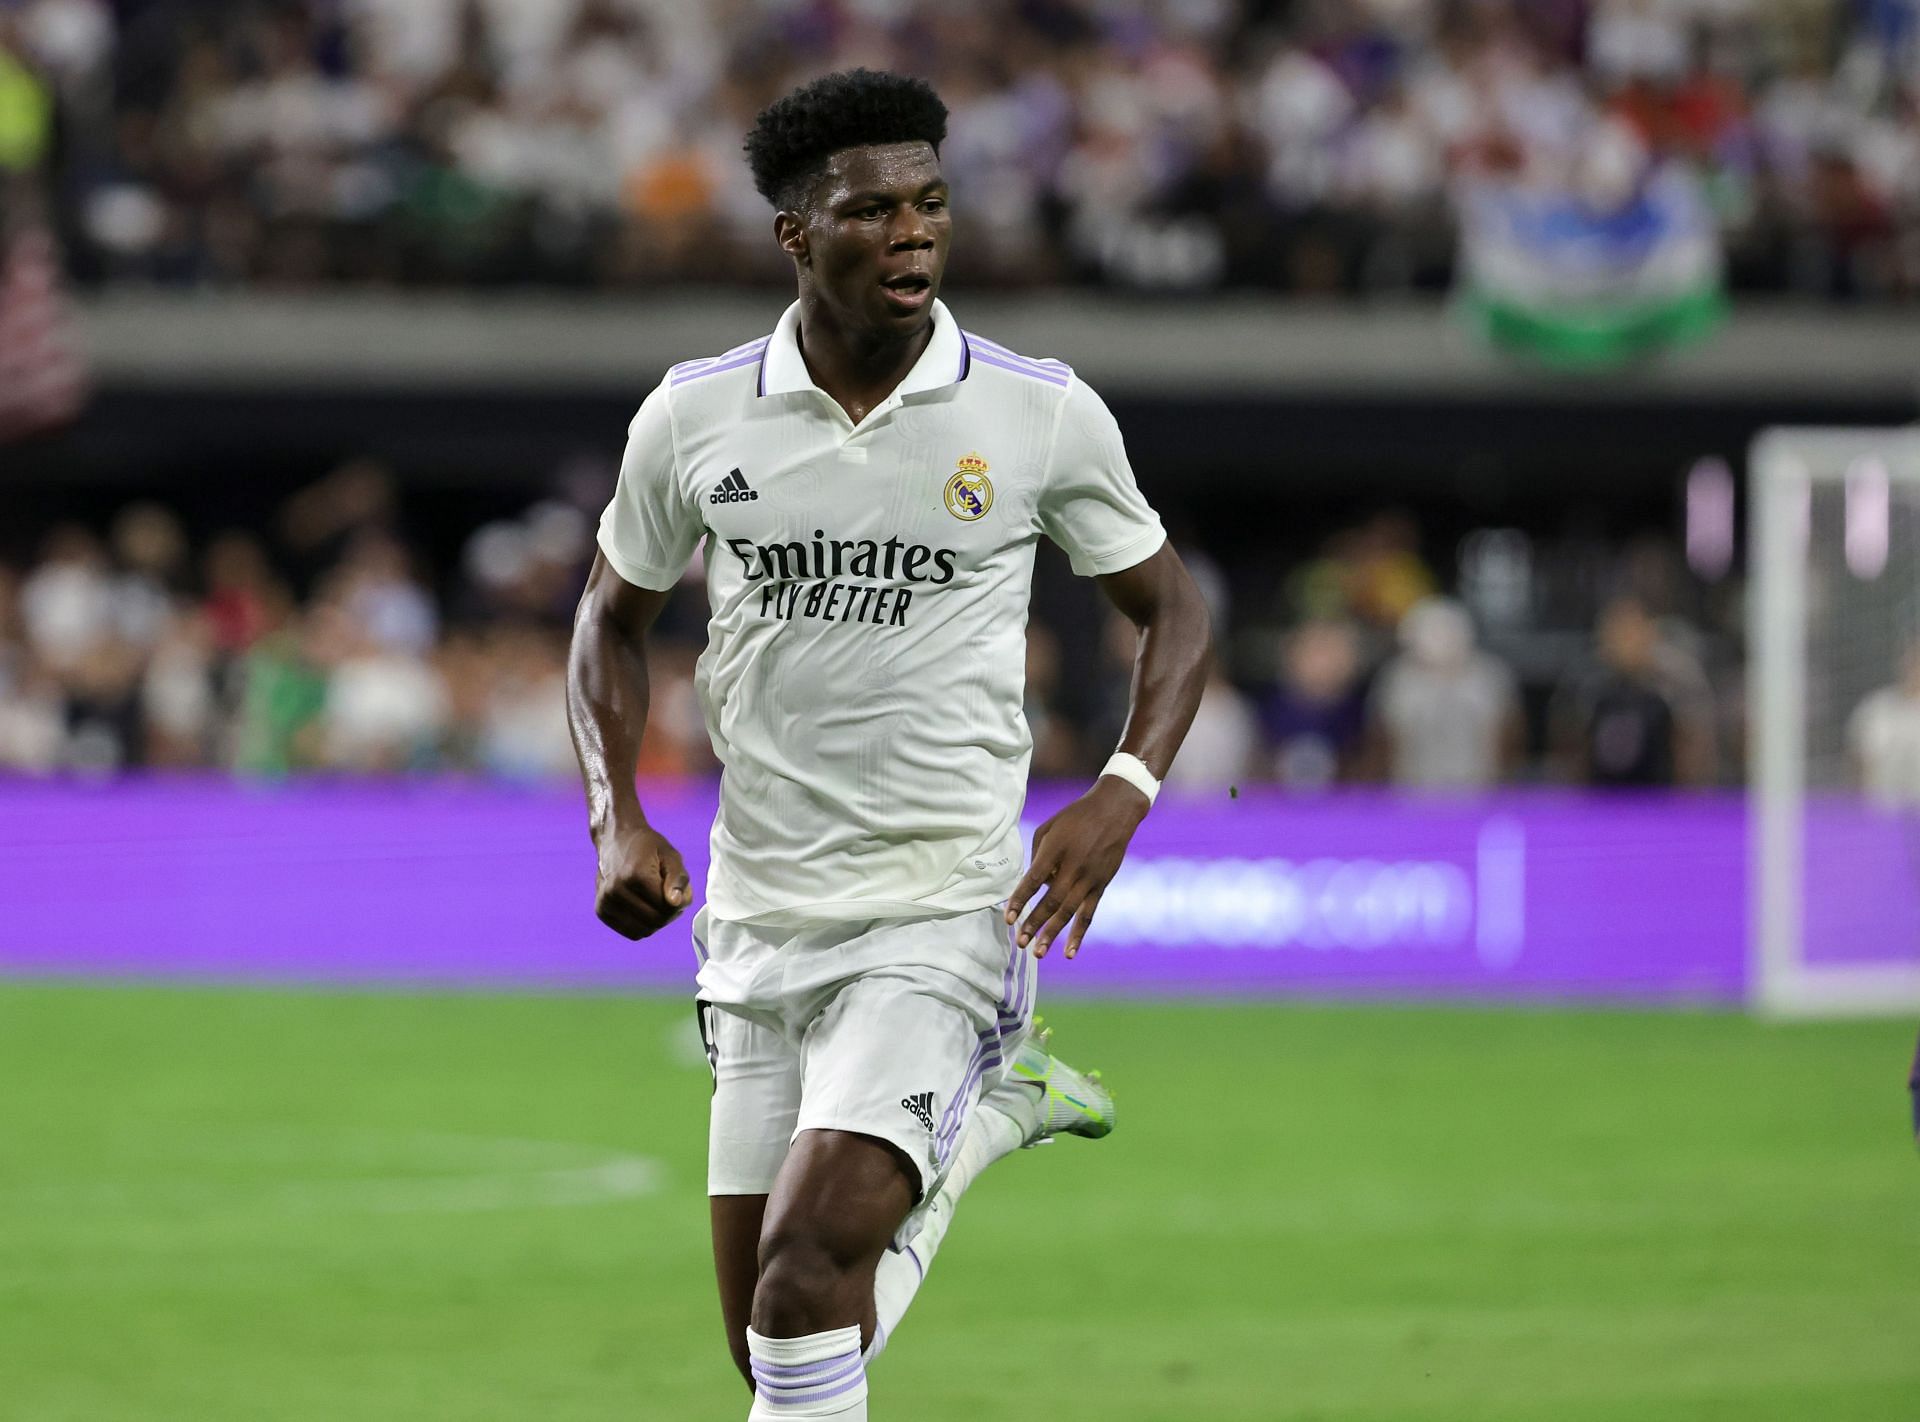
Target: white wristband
x=1133 y=770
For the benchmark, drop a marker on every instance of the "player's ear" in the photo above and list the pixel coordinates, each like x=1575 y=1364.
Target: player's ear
x=791 y=233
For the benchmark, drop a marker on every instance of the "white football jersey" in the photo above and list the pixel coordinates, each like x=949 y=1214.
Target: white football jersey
x=866 y=658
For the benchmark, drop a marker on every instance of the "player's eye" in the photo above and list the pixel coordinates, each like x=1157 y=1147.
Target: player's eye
x=935 y=204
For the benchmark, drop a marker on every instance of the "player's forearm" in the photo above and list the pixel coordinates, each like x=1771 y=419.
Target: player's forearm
x=1169 y=669
x=607 y=697
x=1169 y=675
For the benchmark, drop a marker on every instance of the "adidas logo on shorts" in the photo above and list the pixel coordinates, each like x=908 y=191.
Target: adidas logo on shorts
x=732 y=490
x=921 y=1106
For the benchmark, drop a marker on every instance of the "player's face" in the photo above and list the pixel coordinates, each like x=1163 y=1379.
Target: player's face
x=873 y=241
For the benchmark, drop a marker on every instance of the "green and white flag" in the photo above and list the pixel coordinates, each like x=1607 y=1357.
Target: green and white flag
x=1545 y=273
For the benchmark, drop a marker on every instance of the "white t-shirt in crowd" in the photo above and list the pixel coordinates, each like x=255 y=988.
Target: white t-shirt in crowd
x=1445 y=726
x=865 y=661
x=1884 y=735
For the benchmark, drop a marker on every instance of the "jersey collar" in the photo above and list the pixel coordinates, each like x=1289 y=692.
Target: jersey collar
x=945 y=360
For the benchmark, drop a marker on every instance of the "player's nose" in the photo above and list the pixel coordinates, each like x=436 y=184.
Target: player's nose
x=911 y=231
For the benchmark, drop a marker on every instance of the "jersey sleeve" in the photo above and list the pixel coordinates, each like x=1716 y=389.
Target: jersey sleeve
x=1090 y=504
x=649 y=531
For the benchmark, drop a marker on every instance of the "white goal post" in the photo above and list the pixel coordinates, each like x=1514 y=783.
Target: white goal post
x=1834 y=579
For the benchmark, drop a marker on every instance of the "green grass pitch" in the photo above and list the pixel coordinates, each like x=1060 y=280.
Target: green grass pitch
x=227 y=1205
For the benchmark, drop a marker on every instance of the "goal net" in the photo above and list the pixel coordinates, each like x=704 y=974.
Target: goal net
x=1834 y=603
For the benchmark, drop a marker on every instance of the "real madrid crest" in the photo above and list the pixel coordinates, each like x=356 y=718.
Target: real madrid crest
x=969 y=491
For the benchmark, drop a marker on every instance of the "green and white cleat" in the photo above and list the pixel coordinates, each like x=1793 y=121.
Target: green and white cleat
x=1072 y=1102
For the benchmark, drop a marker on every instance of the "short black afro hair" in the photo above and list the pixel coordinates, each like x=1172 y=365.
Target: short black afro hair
x=793 y=137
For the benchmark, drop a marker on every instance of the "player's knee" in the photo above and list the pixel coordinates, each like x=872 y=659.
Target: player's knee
x=805 y=1284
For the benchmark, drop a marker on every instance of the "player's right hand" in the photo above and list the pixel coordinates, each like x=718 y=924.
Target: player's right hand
x=642 y=883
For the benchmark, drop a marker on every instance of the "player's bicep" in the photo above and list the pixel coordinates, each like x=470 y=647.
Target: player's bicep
x=628 y=607
x=1090 y=504
x=1140 y=591
x=650 y=529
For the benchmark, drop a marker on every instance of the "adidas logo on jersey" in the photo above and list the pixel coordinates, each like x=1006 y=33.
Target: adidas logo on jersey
x=921 y=1107
x=732 y=490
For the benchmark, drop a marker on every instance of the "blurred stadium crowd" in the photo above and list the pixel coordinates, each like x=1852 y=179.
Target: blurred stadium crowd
x=1310 y=145
x=335 y=642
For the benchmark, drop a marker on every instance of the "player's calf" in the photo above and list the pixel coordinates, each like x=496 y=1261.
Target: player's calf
x=737 y=1222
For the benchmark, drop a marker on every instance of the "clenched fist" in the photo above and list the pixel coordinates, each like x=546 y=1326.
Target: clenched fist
x=642 y=882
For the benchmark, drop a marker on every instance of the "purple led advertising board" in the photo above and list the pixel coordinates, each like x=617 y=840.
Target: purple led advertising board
x=1861 y=883
x=1523 y=895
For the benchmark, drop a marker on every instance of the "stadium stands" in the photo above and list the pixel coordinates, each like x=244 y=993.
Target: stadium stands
x=1294 y=144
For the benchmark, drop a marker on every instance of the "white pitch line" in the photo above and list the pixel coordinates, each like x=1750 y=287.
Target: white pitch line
x=471 y=1173
x=620 y=1178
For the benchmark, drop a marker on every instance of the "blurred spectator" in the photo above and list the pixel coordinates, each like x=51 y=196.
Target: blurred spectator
x=74 y=674
x=1445 y=715
x=1641 y=715
x=67 y=602
x=376 y=586
x=102 y=707
x=1388 y=576
x=283 y=688
x=384 y=707
x=1883 y=738
x=149 y=552
x=676 y=743
x=1372 y=573
x=527 y=566
x=242 y=594
x=177 y=693
x=1222 y=748
x=524 y=734
x=31 y=734
x=1315 y=717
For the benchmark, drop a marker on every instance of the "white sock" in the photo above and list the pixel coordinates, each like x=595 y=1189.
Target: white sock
x=990 y=1134
x=821 y=1375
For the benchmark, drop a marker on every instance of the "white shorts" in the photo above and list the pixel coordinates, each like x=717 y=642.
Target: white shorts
x=889 y=1028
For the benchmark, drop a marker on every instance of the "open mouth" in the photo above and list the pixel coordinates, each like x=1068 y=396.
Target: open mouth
x=909 y=290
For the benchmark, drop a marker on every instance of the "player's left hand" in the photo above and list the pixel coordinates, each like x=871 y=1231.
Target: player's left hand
x=1076 y=854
